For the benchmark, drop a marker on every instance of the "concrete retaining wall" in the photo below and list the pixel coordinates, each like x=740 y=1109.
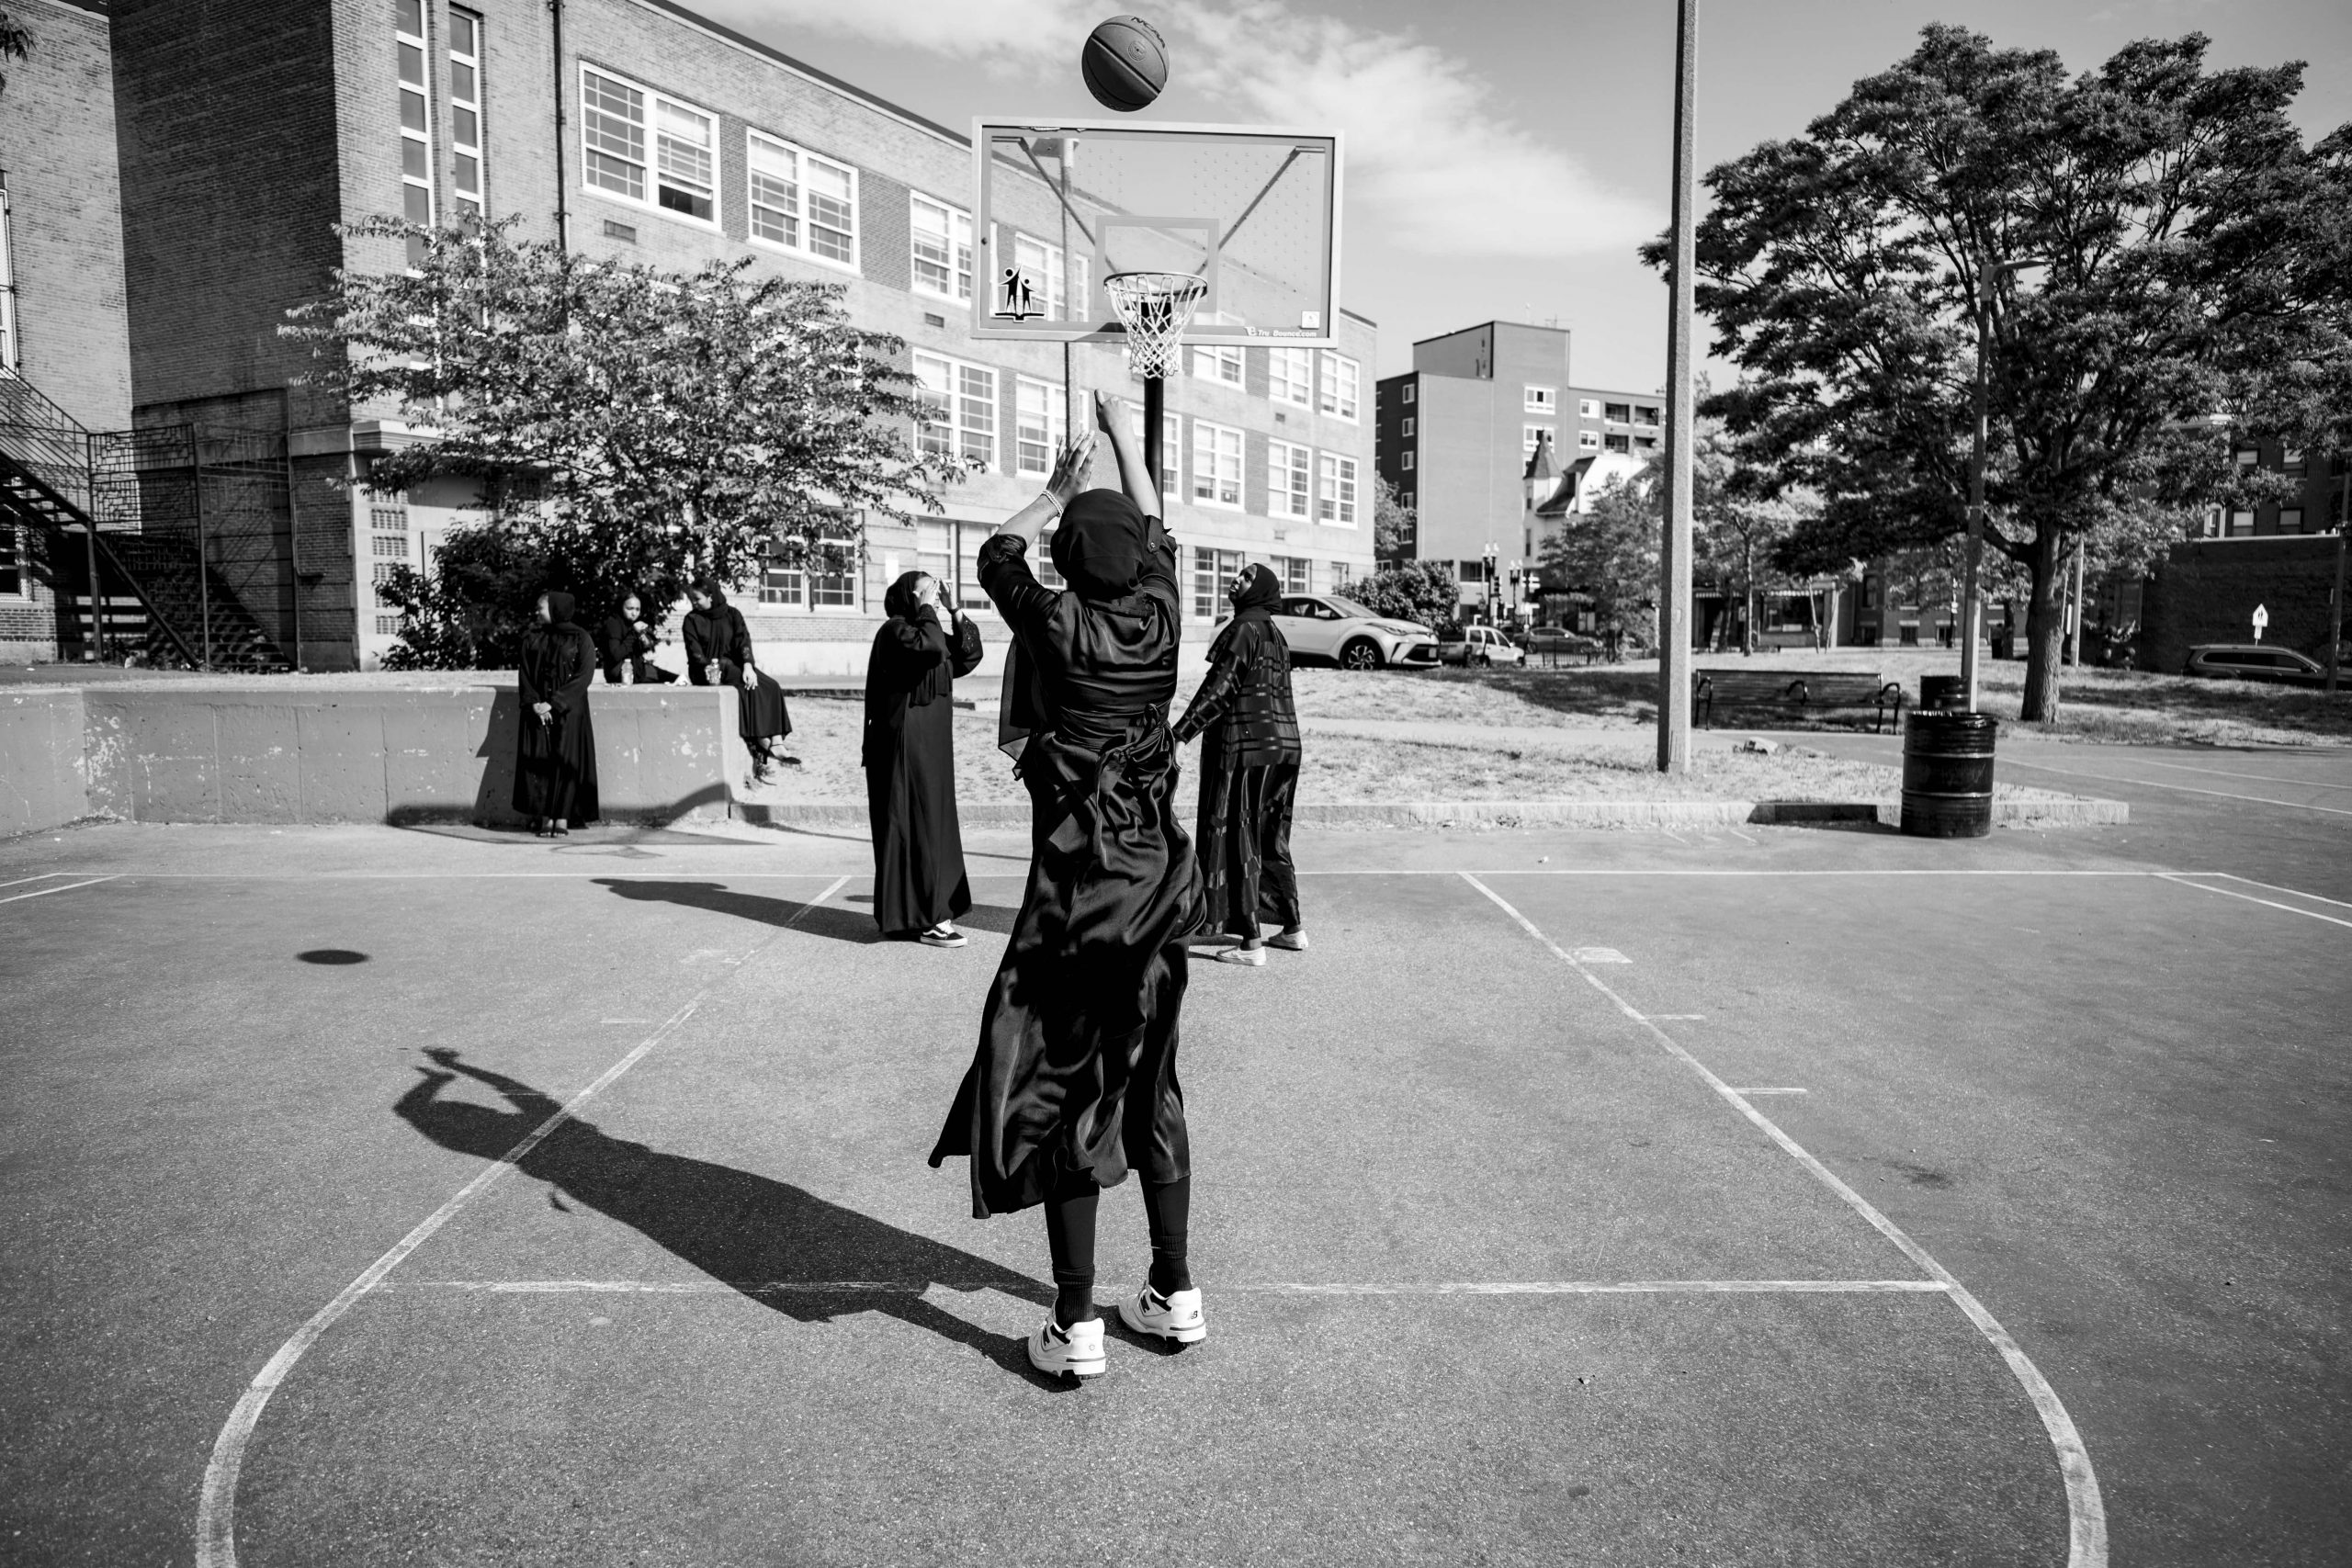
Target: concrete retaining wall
x=191 y=753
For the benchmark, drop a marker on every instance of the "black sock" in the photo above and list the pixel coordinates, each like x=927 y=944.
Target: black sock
x=1069 y=1235
x=1166 y=1209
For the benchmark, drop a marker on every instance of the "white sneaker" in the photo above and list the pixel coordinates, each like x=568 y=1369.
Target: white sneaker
x=1253 y=957
x=1176 y=1316
x=1289 y=941
x=1075 y=1351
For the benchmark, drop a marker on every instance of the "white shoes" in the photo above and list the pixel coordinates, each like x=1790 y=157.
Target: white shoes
x=1075 y=1351
x=1289 y=941
x=1175 y=1317
x=1253 y=957
x=944 y=934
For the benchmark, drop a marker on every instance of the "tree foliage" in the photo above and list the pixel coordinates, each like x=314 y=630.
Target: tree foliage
x=1393 y=526
x=630 y=428
x=1842 y=269
x=1609 y=554
x=1419 y=591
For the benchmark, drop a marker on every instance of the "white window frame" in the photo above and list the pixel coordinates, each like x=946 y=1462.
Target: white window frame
x=2294 y=527
x=1289 y=481
x=756 y=141
x=1406 y=397
x=1407 y=462
x=1212 y=570
x=1588 y=407
x=1540 y=400
x=1290 y=377
x=1337 y=490
x=1297 y=573
x=8 y=359
x=955 y=226
x=1587 y=440
x=1220 y=362
x=1338 y=385
x=648 y=162
x=1171 y=450
x=417 y=140
x=1219 y=452
x=1046 y=259
x=470 y=201
x=1040 y=427
x=1530 y=433
x=965 y=435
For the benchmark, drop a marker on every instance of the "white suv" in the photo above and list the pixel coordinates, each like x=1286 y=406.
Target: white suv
x=1326 y=626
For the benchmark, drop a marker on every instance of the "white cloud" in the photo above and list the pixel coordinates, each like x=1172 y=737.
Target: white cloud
x=1430 y=161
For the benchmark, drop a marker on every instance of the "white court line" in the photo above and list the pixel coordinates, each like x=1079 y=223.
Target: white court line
x=2228 y=773
x=216 y=1509
x=1767 y=1091
x=2085 y=1512
x=19 y=881
x=684 y=875
x=1272 y=1288
x=2272 y=888
x=2266 y=903
x=67 y=887
x=2184 y=789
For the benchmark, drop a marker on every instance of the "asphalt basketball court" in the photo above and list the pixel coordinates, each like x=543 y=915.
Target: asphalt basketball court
x=1771 y=1196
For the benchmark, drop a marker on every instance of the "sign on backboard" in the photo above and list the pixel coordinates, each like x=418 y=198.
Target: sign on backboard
x=1252 y=210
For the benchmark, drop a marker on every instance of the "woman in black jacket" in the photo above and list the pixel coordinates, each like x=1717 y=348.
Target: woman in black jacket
x=1249 y=759
x=910 y=756
x=719 y=653
x=555 y=747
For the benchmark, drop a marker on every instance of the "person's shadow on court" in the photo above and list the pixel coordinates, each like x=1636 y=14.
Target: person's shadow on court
x=786 y=1249
x=834 y=920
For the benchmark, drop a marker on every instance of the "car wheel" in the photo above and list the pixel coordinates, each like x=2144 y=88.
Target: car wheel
x=1362 y=654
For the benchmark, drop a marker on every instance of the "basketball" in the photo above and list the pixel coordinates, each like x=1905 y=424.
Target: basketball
x=1125 y=63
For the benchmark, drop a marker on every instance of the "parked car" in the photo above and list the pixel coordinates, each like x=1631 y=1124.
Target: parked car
x=2256 y=661
x=1332 y=627
x=1478 y=645
x=1551 y=642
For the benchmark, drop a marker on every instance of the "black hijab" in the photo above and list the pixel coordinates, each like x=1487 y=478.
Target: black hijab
x=900 y=601
x=710 y=587
x=561 y=607
x=1255 y=598
x=1099 y=546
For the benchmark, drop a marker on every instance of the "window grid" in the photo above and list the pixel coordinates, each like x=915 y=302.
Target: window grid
x=1588 y=407
x=1040 y=266
x=464 y=113
x=1541 y=399
x=1217 y=361
x=1409 y=462
x=960 y=401
x=1041 y=425
x=677 y=173
x=781 y=586
x=12 y=570
x=1588 y=440
x=1289 y=479
x=1295 y=574
x=1171 y=446
x=1212 y=570
x=1216 y=465
x=1338 y=394
x=1532 y=434
x=1290 y=375
x=416 y=125
x=1409 y=390
x=1408 y=424
x=7 y=291
x=942 y=249
x=807 y=203
x=1335 y=498
x=612 y=130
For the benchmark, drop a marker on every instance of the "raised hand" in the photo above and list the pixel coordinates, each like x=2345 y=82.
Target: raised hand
x=1071 y=472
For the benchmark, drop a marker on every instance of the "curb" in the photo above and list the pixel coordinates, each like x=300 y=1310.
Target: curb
x=1516 y=813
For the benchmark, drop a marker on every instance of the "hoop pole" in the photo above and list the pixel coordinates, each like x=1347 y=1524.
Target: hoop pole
x=1153 y=398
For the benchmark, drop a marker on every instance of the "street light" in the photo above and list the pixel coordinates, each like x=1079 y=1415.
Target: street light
x=1490 y=579
x=1972 y=606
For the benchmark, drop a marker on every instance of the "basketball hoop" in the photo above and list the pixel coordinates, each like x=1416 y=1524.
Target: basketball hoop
x=1155 y=307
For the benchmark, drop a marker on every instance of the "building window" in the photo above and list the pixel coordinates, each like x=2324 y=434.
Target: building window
x=1212 y=570
x=417 y=126
x=803 y=202
x=942 y=247
x=1335 y=498
x=936 y=550
x=465 y=112
x=616 y=118
x=1290 y=479
x=1529 y=435
x=1339 y=395
x=1040 y=266
x=1041 y=426
x=1408 y=424
x=1216 y=465
x=1217 y=361
x=1171 y=440
x=1588 y=440
x=2290 y=520
x=833 y=591
x=1646 y=413
x=1294 y=570
x=7 y=289
x=12 y=563
x=1408 y=462
x=1618 y=414
x=1618 y=443
x=783 y=585
x=959 y=400
x=1290 y=377
x=1541 y=399
x=1408 y=392
x=2241 y=523
x=1588 y=407
x=2291 y=459
x=1644 y=443
x=1341 y=575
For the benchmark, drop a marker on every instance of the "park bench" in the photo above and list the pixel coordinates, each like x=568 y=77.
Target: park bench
x=1806 y=692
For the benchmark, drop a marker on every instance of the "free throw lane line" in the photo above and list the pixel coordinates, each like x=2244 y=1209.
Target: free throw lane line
x=2085 y=1512
x=216 y=1509
x=2266 y=903
x=62 y=888
x=1267 y=1288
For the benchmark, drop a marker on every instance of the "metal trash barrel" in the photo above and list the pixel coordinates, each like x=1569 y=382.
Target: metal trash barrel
x=1939 y=692
x=1948 y=773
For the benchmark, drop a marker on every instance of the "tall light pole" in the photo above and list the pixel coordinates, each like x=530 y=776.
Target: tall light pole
x=1972 y=602
x=1674 y=551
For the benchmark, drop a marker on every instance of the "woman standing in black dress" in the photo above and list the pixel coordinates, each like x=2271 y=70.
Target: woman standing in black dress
x=719 y=653
x=555 y=747
x=1249 y=757
x=1075 y=1078
x=910 y=756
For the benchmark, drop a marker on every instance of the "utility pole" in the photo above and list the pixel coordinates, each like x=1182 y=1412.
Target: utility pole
x=2336 y=600
x=1674 y=551
x=1972 y=598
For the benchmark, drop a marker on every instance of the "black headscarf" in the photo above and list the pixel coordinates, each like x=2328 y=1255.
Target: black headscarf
x=1255 y=598
x=561 y=607
x=1099 y=546
x=898 y=600
x=709 y=586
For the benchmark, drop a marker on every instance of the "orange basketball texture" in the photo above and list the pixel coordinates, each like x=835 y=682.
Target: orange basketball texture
x=1125 y=63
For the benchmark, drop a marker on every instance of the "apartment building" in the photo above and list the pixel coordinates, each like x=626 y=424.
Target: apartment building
x=1460 y=434
x=639 y=130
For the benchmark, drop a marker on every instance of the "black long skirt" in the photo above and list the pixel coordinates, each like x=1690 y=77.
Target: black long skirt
x=1244 y=842
x=555 y=767
x=919 y=877
x=762 y=713
x=1076 y=1068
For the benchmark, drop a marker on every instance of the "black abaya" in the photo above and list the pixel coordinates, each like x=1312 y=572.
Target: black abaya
x=1075 y=1074
x=1249 y=761
x=718 y=645
x=910 y=757
x=555 y=760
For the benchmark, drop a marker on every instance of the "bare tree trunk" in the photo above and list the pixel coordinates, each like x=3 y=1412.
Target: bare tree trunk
x=2045 y=623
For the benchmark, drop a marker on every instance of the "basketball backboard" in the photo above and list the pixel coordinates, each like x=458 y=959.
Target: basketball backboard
x=1251 y=210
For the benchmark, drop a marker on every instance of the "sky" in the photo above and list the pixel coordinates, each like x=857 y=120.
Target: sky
x=1505 y=157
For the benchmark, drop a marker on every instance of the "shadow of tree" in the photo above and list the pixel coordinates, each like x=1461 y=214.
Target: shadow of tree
x=787 y=1249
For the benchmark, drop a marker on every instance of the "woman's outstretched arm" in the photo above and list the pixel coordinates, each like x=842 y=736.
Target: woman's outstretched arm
x=1134 y=476
x=1070 y=478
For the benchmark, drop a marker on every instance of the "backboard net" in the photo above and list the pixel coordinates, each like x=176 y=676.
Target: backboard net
x=1252 y=211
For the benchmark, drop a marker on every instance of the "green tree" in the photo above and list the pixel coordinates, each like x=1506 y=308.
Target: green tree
x=1842 y=269
x=631 y=428
x=1393 y=526
x=1421 y=591
x=1609 y=554
x=15 y=42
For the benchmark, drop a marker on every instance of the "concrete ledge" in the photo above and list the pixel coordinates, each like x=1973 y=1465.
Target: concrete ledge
x=2086 y=812
x=44 y=777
